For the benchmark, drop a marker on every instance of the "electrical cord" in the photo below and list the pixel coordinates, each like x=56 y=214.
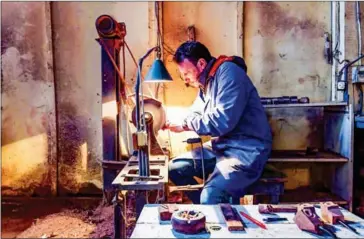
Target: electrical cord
x=336 y=52
x=358 y=26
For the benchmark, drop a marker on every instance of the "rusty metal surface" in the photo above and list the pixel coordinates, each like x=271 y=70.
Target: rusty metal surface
x=110 y=83
x=28 y=105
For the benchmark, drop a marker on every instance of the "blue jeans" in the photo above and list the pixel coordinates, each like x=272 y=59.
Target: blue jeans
x=182 y=172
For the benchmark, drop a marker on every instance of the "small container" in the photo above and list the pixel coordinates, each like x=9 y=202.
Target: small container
x=188 y=222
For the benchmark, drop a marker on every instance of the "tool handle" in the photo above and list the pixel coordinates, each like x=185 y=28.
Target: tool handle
x=274 y=219
x=193 y=140
x=260 y=224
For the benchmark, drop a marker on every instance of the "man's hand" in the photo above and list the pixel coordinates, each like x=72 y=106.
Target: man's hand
x=173 y=127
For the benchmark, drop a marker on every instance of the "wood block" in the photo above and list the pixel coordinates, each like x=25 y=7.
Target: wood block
x=166 y=211
x=232 y=219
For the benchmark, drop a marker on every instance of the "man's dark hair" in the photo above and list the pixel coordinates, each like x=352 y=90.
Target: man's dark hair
x=192 y=51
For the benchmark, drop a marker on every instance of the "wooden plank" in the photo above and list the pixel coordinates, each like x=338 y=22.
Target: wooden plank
x=231 y=219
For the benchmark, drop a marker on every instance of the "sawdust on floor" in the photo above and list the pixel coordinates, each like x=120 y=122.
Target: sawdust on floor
x=96 y=222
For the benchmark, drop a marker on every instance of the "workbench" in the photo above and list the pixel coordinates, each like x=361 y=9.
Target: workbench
x=149 y=226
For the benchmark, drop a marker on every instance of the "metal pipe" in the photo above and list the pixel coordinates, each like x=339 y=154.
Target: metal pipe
x=142 y=156
x=335 y=41
x=137 y=86
x=358 y=26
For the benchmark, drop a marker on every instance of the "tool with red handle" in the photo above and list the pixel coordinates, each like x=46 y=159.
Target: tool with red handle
x=255 y=221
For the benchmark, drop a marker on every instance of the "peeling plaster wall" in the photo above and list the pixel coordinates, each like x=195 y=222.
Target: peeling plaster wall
x=78 y=75
x=28 y=100
x=283 y=46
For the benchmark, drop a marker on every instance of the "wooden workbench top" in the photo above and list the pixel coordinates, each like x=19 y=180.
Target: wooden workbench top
x=149 y=226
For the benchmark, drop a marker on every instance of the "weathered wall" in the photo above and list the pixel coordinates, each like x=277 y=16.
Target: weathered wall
x=78 y=74
x=28 y=126
x=283 y=47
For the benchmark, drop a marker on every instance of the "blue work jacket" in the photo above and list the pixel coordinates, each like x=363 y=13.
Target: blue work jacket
x=232 y=114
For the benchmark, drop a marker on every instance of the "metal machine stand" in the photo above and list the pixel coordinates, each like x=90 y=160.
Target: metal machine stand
x=147 y=168
x=111 y=38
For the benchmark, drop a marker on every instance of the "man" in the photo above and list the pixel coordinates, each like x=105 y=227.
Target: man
x=232 y=115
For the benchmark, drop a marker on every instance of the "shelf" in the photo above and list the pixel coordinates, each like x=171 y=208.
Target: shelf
x=322 y=104
x=301 y=156
x=309 y=195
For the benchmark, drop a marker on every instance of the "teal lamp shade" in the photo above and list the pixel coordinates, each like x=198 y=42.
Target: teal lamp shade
x=158 y=73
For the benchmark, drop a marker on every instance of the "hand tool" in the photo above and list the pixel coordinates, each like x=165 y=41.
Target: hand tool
x=332 y=214
x=233 y=221
x=284 y=100
x=255 y=221
x=307 y=220
x=271 y=209
x=274 y=219
x=268 y=208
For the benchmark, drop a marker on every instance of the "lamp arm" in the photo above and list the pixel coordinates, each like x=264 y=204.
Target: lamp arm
x=138 y=84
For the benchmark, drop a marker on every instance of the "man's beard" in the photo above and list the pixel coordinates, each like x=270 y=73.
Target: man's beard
x=193 y=86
